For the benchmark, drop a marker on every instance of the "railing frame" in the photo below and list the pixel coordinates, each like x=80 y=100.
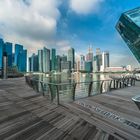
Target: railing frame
x=117 y=83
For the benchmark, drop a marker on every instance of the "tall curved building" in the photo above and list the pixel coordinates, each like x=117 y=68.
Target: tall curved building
x=129 y=28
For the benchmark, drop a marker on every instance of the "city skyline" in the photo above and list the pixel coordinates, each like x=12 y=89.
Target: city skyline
x=49 y=60
x=16 y=56
x=65 y=24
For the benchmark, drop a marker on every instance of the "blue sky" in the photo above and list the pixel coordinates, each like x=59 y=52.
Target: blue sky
x=67 y=23
x=98 y=29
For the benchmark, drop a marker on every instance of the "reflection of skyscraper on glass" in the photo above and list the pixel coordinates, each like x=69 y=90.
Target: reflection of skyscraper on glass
x=71 y=57
x=129 y=28
x=8 y=50
x=1 y=52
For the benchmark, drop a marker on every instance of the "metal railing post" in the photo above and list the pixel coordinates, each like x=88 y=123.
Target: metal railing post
x=90 y=89
x=110 y=84
x=134 y=81
x=123 y=81
x=101 y=87
x=57 y=90
x=114 y=84
x=51 y=92
x=42 y=87
x=74 y=89
x=117 y=83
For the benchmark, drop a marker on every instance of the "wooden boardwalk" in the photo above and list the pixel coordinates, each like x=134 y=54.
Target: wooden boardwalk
x=114 y=112
x=26 y=115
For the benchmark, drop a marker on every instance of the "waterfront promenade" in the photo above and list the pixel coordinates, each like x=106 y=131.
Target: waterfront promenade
x=27 y=115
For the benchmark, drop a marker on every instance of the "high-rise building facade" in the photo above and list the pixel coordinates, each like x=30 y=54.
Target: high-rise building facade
x=40 y=60
x=88 y=66
x=1 y=52
x=53 y=59
x=33 y=63
x=22 y=61
x=64 y=58
x=89 y=56
x=98 y=59
x=129 y=28
x=95 y=68
x=66 y=65
x=8 y=50
x=46 y=60
x=105 y=61
x=18 y=50
x=82 y=62
x=71 y=57
x=30 y=64
x=58 y=63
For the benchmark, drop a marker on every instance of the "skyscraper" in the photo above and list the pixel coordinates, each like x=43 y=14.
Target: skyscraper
x=40 y=60
x=22 y=61
x=1 y=52
x=88 y=66
x=8 y=50
x=89 y=60
x=82 y=62
x=30 y=64
x=89 y=56
x=58 y=63
x=33 y=63
x=71 y=57
x=46 y=60
x=98 y=59
x=95 y=68
x=66 y=65
x=129 y=28
x=105 y=60
x=18 y=49
x=64 y=58
x=53 y=59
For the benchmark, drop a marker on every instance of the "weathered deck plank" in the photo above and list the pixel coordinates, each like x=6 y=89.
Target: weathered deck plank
x=26 y=115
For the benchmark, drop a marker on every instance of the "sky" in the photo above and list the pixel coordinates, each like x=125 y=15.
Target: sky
x=62 y=24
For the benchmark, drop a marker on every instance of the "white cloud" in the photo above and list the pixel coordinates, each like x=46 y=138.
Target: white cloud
x=85 y=6
x=29 y=21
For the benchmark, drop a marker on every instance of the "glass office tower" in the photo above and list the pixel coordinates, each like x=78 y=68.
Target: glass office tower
x=8 y=50
x=1 y=52
x=46 y=60
x=53 y=59
x=33 y=63
x=40 y=60
x=129 y=28
x=71 y=57
x=18 y=49
x=22 y=61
